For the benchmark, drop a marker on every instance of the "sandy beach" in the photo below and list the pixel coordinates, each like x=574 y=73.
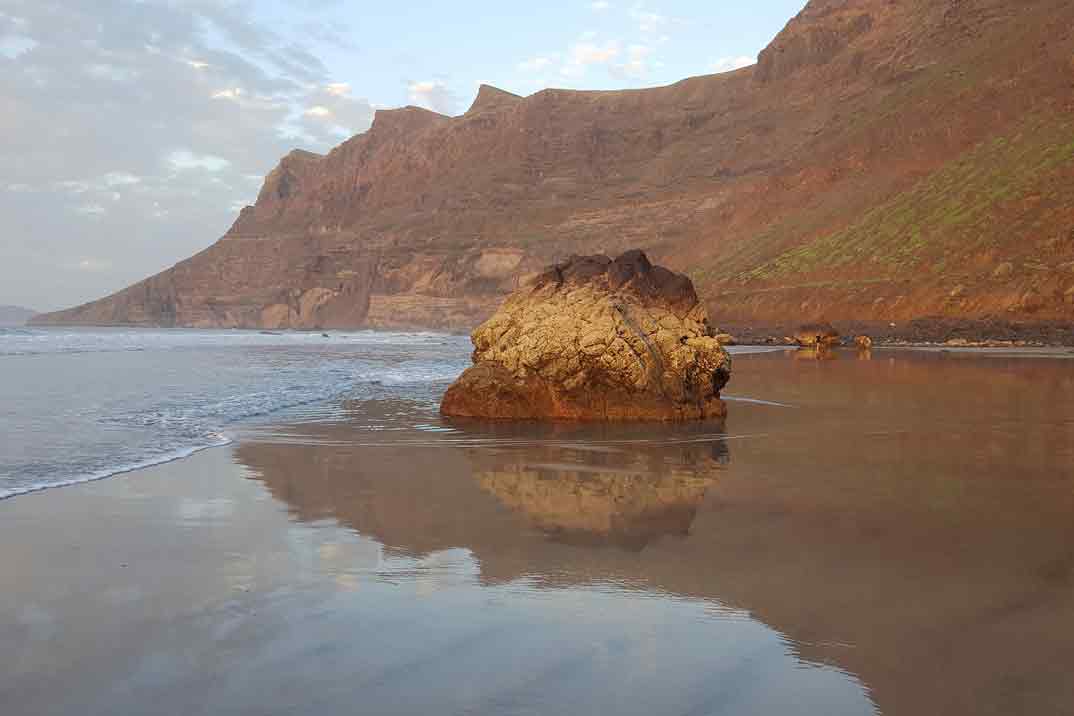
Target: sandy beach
x=834 y=548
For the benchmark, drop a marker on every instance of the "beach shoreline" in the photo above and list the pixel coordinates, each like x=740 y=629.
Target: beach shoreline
x=386 y=558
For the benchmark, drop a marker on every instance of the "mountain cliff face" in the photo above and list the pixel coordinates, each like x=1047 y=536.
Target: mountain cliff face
x=885 y=159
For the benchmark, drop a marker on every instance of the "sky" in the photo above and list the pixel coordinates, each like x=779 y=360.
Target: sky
x=132 y=131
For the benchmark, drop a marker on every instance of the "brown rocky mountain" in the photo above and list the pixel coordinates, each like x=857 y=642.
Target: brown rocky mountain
x=884 y=160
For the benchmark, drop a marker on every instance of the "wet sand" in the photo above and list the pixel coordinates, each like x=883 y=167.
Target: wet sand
x=891 y=535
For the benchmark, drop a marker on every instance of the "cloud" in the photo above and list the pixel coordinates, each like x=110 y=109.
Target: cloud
x=600 y=5
x=584 y=53
x=432 y=94
x=11 y=46
x=93 y=210
x=647 y=20
x=93 y=265
x=537 y=64
x=637 y=65
x=571 y=66
x=730 y=64
x=119 y=179
x=184 y=159
x=587 y=53
x=133 y=127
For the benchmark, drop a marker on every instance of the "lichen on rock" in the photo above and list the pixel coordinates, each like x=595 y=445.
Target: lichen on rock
x=596 y=339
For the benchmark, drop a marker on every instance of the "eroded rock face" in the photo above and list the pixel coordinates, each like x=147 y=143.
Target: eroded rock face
x=596 y=339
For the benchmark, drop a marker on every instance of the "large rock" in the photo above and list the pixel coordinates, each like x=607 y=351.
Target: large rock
x=596 y=339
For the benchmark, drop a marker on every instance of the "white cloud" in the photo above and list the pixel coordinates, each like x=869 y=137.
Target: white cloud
x=97 y=97
x=432 y=94
x=233 y=93
x=730 y=64
x=583 y=54
x=113 y=179
x=637 y=64
x=93 y=264
x=72 y=187
x=184 y=159
x=588 y=53
x=600 y=5
x=536 y=64
x=11 y=46
x=93 y=210
x=332 y=114
x=648 y=21
x=570 y=66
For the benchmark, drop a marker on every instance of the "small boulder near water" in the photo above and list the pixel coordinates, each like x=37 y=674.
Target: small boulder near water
x=594 y=338
x=821 y=335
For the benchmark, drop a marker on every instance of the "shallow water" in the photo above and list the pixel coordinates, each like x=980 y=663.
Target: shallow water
x=891 y=535
x=84 y=404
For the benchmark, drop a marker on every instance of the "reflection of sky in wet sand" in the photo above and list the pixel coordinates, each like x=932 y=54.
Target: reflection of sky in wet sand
x=242 y=609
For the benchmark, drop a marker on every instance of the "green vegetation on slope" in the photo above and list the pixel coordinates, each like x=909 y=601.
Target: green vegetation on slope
x=950 y=213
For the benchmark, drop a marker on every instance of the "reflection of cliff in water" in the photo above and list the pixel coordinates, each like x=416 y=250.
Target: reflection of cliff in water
x=907 y=518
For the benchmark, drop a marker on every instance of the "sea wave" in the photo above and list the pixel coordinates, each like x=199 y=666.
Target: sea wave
x=125 y=399
x=46 y=341
x=119 y=469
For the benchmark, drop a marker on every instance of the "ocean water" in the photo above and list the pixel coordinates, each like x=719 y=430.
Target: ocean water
x=83 y=404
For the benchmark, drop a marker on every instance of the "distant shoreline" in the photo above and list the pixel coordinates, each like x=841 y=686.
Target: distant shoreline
x=919 y=332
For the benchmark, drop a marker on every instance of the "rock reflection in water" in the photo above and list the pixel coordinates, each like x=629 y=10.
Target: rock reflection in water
x=589 y=485
x=815 y=353
x=487 y=485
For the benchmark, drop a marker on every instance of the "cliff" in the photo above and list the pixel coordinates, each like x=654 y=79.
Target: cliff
x=884 y=160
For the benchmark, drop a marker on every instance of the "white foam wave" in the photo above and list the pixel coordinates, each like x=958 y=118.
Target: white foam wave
x=173 y=392
x=112 y=472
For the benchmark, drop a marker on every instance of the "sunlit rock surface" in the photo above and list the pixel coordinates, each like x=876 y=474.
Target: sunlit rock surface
x=596 y=339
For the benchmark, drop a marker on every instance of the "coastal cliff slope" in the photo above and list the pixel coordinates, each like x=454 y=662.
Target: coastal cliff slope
x=884 y=160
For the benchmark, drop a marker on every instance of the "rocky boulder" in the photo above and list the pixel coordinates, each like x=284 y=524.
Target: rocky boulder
x=596 y=339
x=821 y=335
